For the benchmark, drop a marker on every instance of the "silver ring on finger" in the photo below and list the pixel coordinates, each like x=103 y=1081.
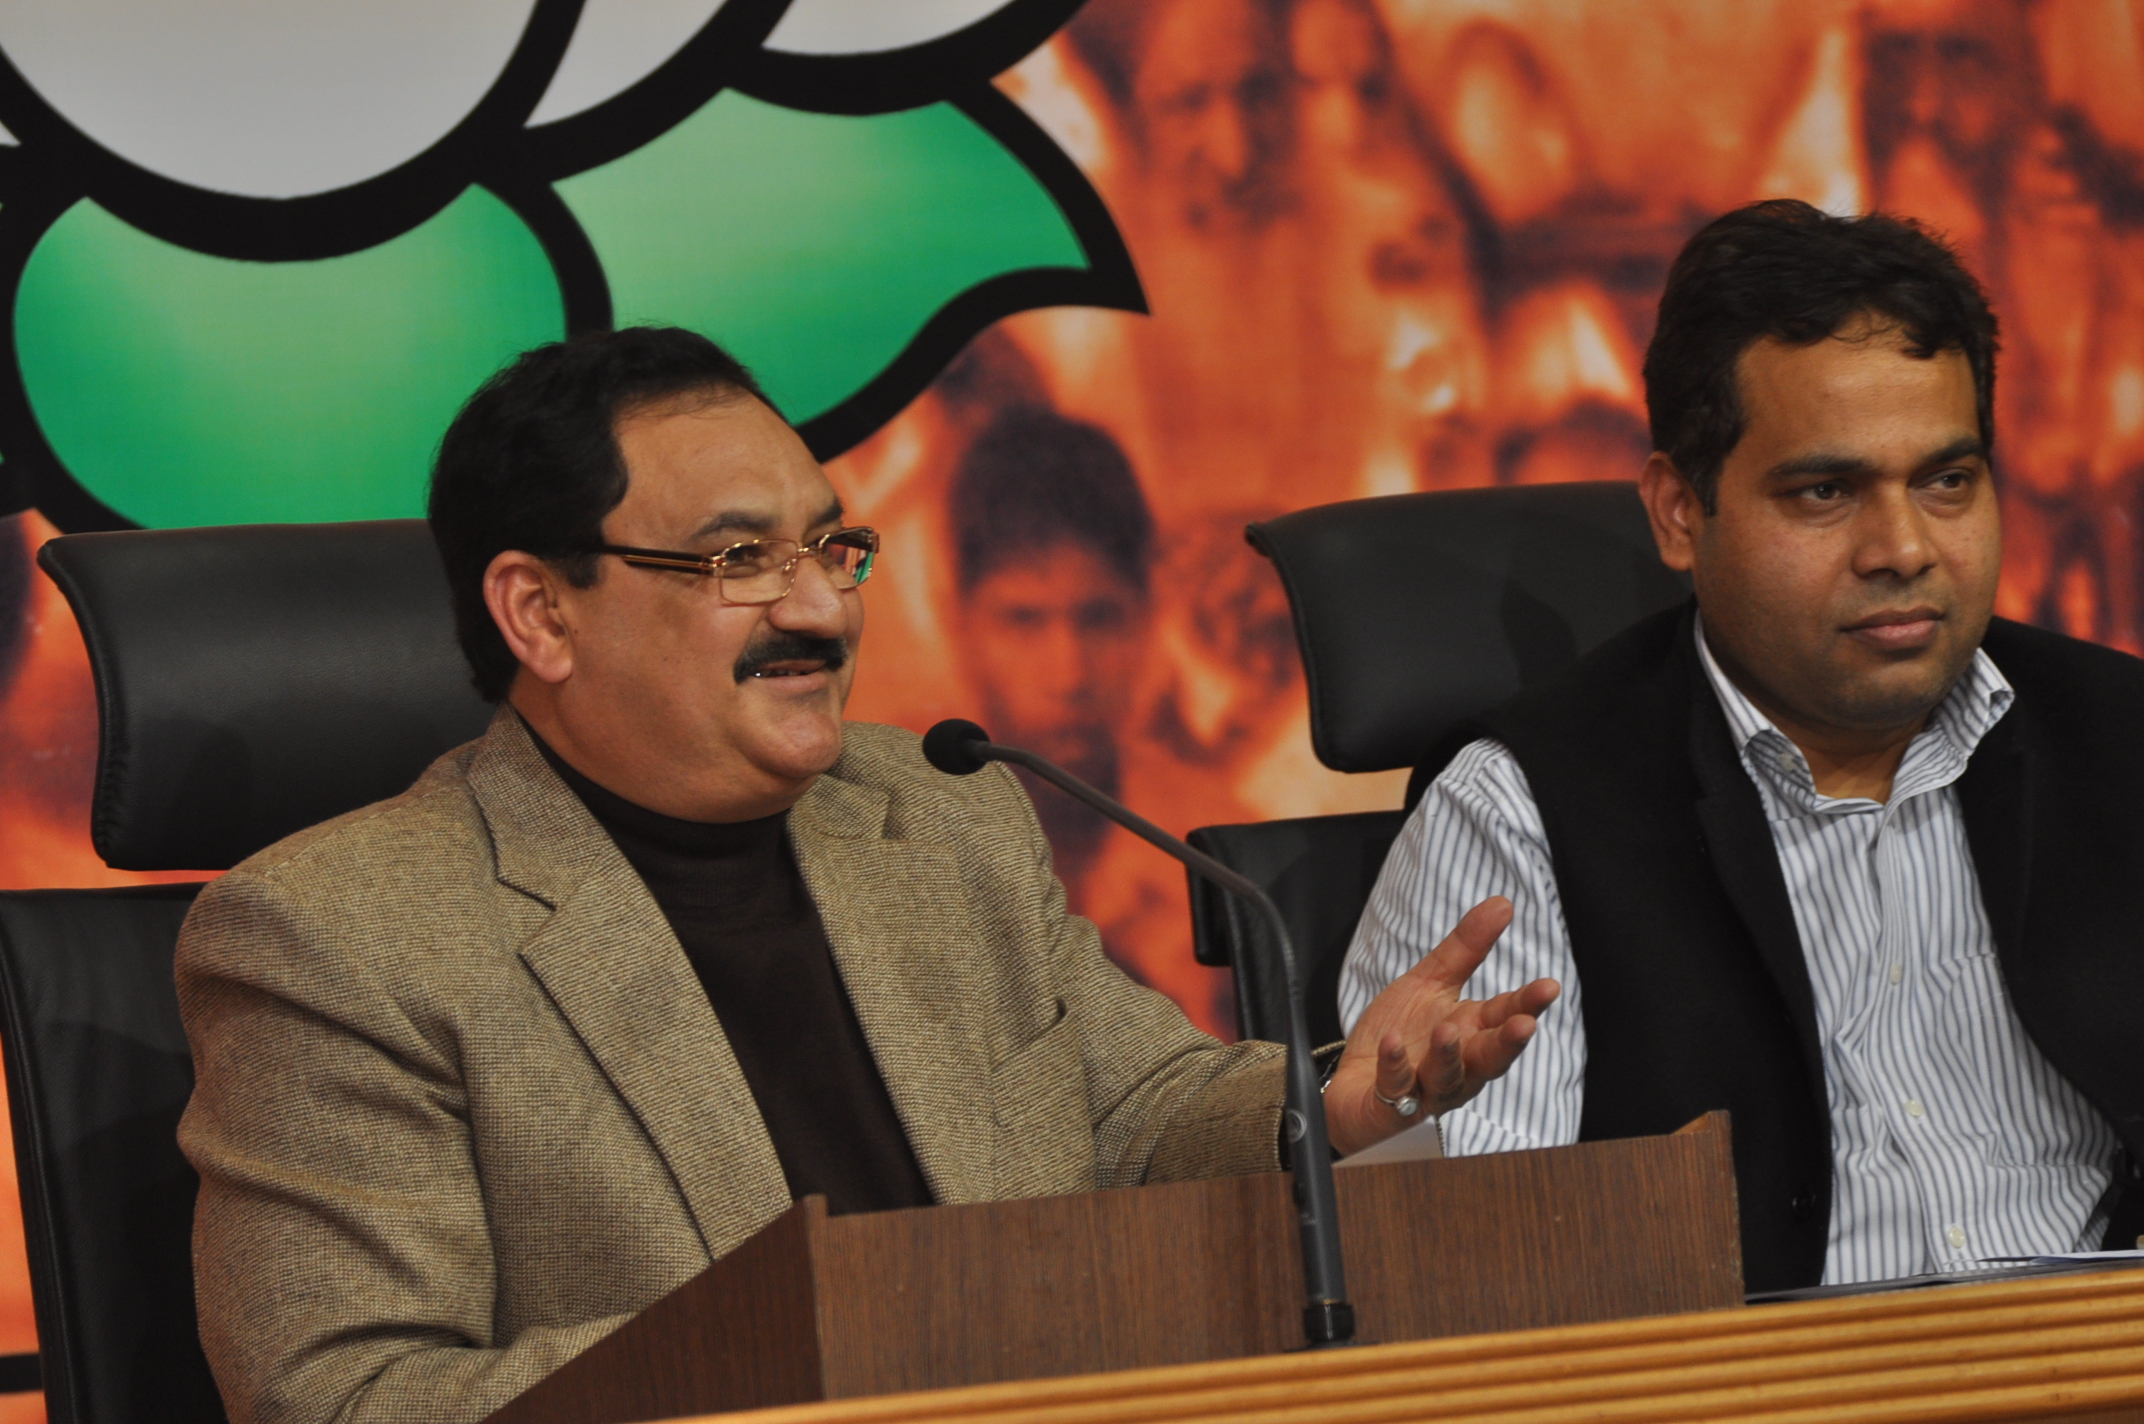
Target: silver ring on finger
x=1406 y=1104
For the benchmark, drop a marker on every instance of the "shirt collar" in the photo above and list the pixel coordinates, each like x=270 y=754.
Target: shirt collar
x=1976 y=702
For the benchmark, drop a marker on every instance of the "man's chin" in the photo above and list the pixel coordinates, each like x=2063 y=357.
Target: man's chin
x=798 y=747
x=1907 y=680
x=1893 y=697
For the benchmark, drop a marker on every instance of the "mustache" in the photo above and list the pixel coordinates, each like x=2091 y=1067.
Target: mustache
x=791 y=647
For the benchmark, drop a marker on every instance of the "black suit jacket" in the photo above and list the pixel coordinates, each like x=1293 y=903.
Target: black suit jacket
x=1697 y=995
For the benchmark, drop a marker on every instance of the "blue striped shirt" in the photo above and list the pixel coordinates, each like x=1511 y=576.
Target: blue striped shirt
x=1953 y=1139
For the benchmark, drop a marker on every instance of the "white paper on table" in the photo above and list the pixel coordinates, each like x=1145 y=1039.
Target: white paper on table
x=2068 y=1258
x=1420 y=1143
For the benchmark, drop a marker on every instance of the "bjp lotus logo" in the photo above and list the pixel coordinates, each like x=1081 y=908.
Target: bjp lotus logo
x=256 y=253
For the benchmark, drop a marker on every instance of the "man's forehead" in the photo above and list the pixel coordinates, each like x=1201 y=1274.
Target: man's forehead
x=760 y=519
x=1850 y=370
x=719 y=429
x=1858 y=401
x=731 y=465
x=1234 y=40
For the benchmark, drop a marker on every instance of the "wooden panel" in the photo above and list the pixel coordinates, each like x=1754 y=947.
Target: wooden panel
x=1121 y=1280
x=737 y=1336
x=1518 y=1240
x=2062 y=1347
x=1060 y=1285
x=1210 y=1270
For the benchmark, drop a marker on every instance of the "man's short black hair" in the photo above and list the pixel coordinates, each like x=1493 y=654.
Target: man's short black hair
x=1784 y=270
x=532 y=463
x=1034 y=479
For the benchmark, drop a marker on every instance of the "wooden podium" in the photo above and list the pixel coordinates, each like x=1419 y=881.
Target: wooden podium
x=820 y=1308
x=2058 y=1348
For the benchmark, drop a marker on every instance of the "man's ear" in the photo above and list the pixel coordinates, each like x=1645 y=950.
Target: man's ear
x=522 y=592
x=1677 y=514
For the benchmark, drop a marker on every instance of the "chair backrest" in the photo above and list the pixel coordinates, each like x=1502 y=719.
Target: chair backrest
x=1412 y=613
x=1418 y=610
x=1319 y=871
x=250 y=682
x=258 y=679
x=97 y=1074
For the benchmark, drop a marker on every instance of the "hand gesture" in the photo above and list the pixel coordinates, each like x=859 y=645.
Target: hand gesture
x=1420 y=1046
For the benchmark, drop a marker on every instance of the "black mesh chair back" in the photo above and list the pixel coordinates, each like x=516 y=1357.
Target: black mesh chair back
x=250 y=682
x=97 y=1074
x=1414 y=612
x=256 y=680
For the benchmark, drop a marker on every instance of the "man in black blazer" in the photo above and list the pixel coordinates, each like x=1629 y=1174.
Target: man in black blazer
x=1831 y=847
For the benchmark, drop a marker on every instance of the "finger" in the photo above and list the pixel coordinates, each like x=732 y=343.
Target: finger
x=1454 y=961
x=1395 y=1073
x=1540 y=994
x=1442 y=1072
x=1529 y=1000
x=1490 y=1055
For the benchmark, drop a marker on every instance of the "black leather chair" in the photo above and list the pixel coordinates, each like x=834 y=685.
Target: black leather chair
x=250 y=682
x=1413 y=612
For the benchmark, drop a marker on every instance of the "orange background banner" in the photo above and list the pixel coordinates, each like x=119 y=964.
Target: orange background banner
x=1388 y=246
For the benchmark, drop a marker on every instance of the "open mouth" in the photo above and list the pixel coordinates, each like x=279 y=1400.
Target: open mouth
x=789 y=669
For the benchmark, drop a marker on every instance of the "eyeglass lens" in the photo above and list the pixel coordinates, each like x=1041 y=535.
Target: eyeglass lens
x=761 y=571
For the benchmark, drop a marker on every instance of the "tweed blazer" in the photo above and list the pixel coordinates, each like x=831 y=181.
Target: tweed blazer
x=461 y=1106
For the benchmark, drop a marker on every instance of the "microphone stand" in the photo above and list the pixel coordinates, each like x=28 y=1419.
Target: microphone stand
x=1328 y=1319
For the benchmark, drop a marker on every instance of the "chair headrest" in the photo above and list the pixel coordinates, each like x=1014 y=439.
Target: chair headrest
x=1416 y=611
x=257 y=679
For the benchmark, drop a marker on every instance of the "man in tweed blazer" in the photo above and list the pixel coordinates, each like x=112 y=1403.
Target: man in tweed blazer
x=462 y=1104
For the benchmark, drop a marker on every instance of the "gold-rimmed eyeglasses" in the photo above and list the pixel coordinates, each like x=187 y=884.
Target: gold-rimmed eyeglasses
x=764 y=570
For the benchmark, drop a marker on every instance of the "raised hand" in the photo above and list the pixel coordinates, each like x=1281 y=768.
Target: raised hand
x=1419 y=1039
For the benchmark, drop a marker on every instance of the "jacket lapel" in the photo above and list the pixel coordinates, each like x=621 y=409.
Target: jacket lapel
x=900 y=933
x=610 y=962
x=1739 y=843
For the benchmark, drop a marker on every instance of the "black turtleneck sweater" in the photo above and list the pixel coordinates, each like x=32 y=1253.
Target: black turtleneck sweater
x=733 y=895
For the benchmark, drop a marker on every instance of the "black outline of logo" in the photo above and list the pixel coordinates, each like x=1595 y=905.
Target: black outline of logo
x=493 y=147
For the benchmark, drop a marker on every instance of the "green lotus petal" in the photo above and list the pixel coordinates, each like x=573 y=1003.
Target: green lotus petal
x=182 y=389
x=813 y=246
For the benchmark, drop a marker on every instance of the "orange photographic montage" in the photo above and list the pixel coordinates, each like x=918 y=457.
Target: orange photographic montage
x=1387 y=245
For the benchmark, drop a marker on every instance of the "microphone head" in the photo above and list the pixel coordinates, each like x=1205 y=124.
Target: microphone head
x=946 y=746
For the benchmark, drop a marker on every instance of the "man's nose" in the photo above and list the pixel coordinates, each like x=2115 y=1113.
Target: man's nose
x=1225 y=138
x=814 y=604
x=1892 y=536
x=1061 y=664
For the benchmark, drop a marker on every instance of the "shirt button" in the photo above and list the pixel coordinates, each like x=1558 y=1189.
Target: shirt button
x=1956 y=1236
x=1914 y=1108
x=1898 y=972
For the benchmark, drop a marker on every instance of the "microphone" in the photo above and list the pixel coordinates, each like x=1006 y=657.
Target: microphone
x=961 y=748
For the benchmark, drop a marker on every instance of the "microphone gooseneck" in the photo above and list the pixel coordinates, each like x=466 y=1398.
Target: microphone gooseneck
x=961 y=748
